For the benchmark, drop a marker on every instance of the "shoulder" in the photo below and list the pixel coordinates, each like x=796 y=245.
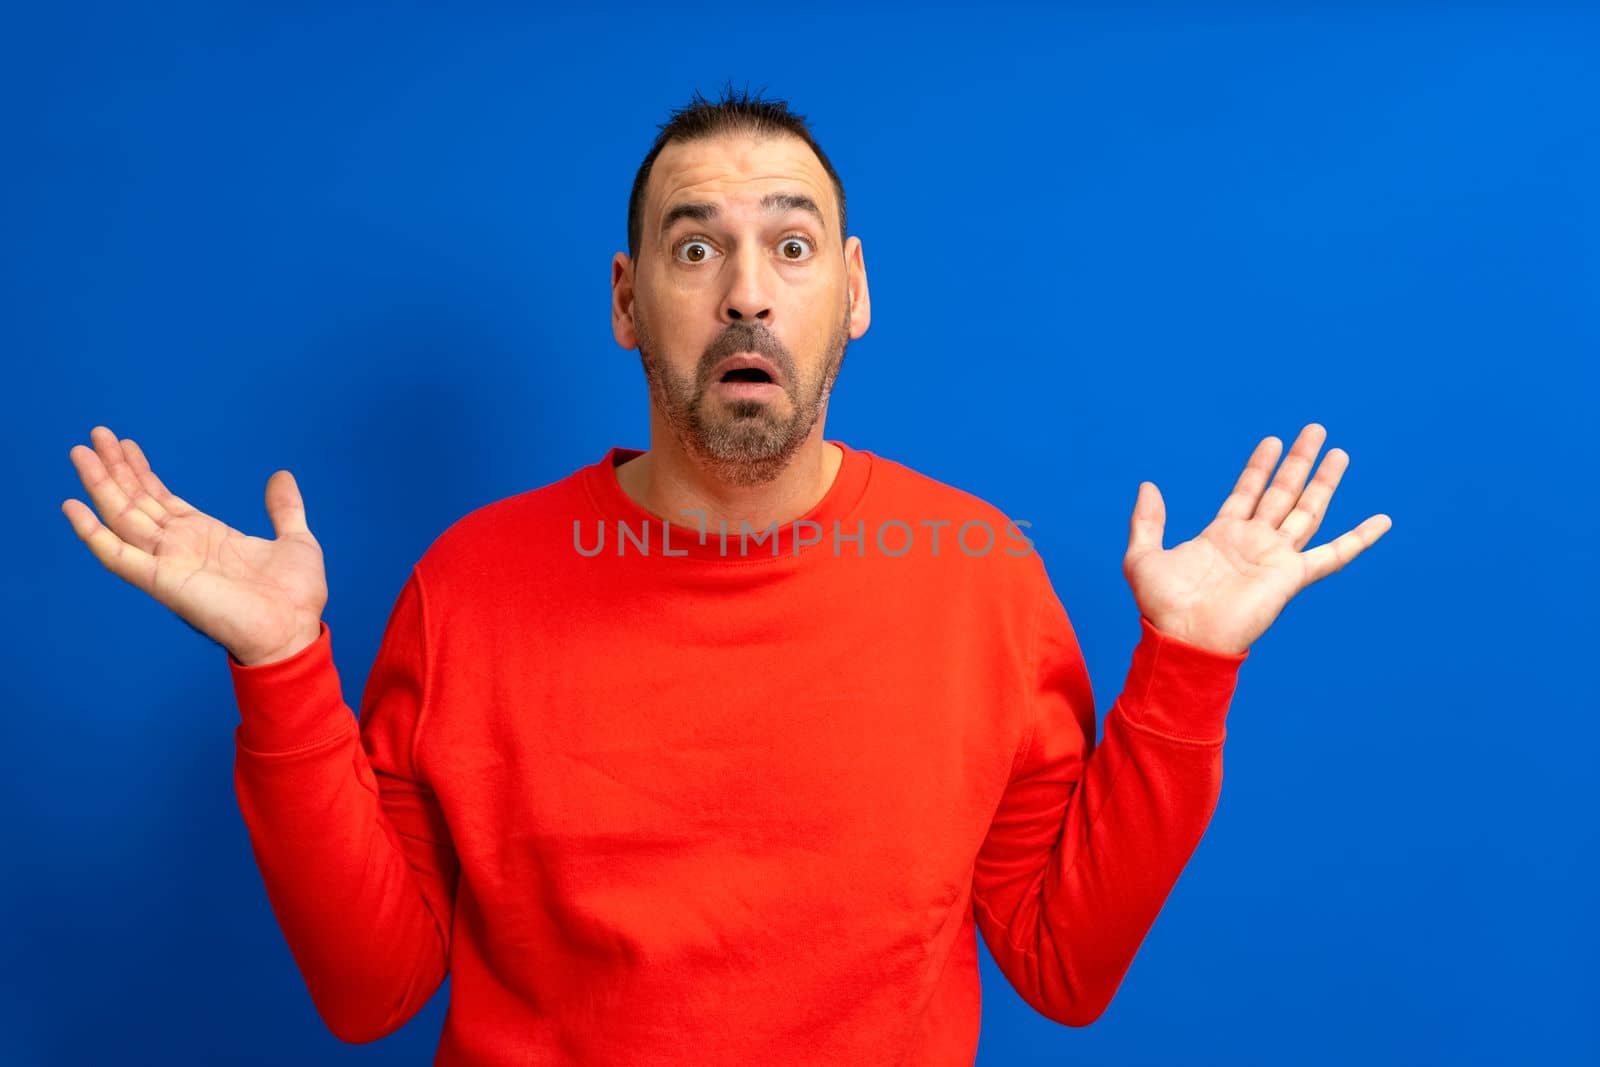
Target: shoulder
x=491 y=539
x=971 y=525
x=896 y=482
x=915 y=496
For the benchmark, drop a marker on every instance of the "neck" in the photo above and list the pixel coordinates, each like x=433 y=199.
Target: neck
x=667 y=482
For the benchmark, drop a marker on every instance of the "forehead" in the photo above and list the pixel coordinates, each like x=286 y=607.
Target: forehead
x=735 y=169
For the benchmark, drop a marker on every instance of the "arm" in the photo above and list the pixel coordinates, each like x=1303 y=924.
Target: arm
x=351 y=844
x=1089 y=840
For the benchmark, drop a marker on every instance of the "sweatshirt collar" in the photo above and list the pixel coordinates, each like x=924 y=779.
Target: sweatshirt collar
x=683 y=537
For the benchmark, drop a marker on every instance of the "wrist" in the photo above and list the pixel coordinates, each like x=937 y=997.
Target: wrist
x=302 y=640
x=1199 y=637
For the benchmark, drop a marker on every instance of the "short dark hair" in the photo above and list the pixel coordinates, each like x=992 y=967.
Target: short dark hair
x=735 y=112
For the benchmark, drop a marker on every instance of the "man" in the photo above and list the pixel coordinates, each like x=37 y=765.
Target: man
x=727 y=751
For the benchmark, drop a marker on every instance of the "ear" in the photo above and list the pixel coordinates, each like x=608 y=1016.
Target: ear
x=622 y=301
x=856 y=288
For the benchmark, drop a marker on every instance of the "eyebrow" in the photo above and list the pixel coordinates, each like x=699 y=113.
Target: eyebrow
x=772 y=202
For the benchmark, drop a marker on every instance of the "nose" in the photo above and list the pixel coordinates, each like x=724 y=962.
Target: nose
x=749 y=294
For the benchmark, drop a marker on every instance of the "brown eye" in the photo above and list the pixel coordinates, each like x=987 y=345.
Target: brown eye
x=792 y=243
x=688 y=249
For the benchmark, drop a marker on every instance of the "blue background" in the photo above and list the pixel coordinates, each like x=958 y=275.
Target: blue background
x=372 y=245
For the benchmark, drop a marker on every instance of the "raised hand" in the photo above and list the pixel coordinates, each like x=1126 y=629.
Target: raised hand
x=260 y=599
x=1222 y=589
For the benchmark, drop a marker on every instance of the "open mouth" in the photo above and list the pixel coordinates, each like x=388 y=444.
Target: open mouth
x=747 y=374
x=744 y=371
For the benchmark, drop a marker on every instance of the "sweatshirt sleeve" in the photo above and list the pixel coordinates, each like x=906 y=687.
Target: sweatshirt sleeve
x=1089 y=840
x=350 y=841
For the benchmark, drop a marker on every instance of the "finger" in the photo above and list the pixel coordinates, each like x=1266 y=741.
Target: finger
x=1325 y=559
x=1308 y=511
x=129 y=523
x=1281 y=495
x=1148 y=522
x=109 y=448
x=1241 y=503
x=120 y=558
x=153 y=485
x=284 y=504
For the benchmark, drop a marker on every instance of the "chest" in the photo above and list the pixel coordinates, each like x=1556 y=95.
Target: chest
x=764 y=780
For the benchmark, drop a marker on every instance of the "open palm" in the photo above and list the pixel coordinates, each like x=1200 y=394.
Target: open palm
x=1223 y=588
x=260 y=599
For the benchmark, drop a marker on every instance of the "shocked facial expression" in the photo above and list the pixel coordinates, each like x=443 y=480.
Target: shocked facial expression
x=742 y=299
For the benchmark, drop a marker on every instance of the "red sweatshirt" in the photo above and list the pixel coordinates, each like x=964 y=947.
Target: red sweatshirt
x=654 y=802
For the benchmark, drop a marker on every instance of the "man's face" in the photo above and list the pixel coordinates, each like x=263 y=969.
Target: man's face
x=733 y=262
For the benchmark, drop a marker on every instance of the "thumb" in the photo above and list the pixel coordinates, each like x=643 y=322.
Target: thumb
x=1149 y=520
x=284 y=506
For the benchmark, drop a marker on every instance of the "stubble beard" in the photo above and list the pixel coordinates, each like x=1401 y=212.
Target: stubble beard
x=741 y=442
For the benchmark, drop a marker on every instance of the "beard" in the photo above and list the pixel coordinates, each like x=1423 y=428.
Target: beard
x=741 y=442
